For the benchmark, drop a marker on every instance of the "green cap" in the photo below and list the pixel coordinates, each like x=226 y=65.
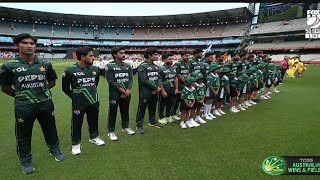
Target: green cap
x=243 y=77
x=226 y=70
x=271 y=67
x=197 y=75
x=213 y=67
x=189 y=80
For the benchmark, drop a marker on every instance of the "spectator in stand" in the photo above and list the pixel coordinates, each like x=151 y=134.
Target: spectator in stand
x=285 y=65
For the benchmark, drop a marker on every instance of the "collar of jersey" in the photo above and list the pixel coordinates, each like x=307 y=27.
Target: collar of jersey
x=200 y=85
x=36 y=59
x=114 y=61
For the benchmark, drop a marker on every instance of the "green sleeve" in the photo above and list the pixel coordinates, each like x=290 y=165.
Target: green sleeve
x=51 y=73
x=142 y=74
x=183 y=94
x=130 y=78
x=66 y=82
x=97 y=77
x=110 y=78
x=6 y=76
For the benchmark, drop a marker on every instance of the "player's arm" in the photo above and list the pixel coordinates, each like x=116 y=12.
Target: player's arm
x=142 y=73
x=130 y=78
x=176 y=83
x=66 y=83
x=112 y=81
x=6 y=81
x=51 y=76
x=97 y=78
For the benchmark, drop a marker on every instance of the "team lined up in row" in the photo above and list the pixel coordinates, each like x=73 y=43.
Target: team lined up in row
x=29 y=79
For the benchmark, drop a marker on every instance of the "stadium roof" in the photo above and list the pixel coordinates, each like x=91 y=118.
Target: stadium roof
x=230 y=15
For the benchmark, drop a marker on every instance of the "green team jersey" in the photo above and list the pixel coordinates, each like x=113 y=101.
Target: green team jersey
x=234 y=82
x=80 y=84
x=200 y=90
x=260 y=76
x=269 y=77
x=188 y=94
x=195 y=65
x=224 y=81
x=213 y=80
x=278 y=75
x=118 y=75
x=148 y=78
x=220 y=63
x=257 y=61
x=182 y=68
x=168 y=76
x=30 y=81
x=233 y=65
x=205 y=68
x=243 y=65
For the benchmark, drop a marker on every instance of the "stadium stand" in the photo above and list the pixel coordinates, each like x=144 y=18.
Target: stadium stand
x=279 y=26
x=235 y=29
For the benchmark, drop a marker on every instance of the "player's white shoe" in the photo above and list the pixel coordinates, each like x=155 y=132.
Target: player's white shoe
x=241 y=108
x=263 y=97
x=97 y=141
x=247 y=103
x=211 y=116
x=195 y=124
x=177 y=118
x=200 y=120
x=252 y=102
x=112 y=136
x=221 y=112
x=183 y=125
x=76 y=149
x=276 y=91
x=189 y=124
x=234 y=110
x=216 y=112
x=129 y=131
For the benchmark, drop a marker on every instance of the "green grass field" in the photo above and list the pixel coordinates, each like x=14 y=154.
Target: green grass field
x=230 y=147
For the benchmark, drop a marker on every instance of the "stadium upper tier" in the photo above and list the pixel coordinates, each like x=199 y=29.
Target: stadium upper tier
x=304 y=44
x=280 y=26
x=41 y=30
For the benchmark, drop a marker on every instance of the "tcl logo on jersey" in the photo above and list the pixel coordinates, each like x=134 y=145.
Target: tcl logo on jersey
x=121 y=75
x=116 y=69
x=19 y=69
x=78 y=73
x=184 y=71
x=86 y=80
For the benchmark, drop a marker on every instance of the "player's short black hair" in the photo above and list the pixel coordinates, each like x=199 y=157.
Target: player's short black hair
x=233 y=54
x=208 y=54
x=116 y=49
x=184 y=52
x=196 y=51
x=243 y=54
x=250 y=56
x=150 y=51
x=219 y=54
x=83 y=51
x=20 y=37
x=166 y=55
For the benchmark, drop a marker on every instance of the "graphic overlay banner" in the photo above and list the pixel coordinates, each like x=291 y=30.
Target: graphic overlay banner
x=292 y=165
x=270 y=12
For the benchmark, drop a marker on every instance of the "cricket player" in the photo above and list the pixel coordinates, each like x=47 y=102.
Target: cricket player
x=29 y=79
x=188 y=96
x=183 y=71
x=196 y=63
x=149 y=81
x=80 y=82
x=120 y=78
x=167 y=95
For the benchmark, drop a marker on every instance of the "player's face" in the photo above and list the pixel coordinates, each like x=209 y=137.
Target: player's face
x=169 y=60
x=27 y=46
x=120 y=55
x=154 y=57
x=210 y=58
x=88 y=59
x=185 y=57
x=236 y=57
